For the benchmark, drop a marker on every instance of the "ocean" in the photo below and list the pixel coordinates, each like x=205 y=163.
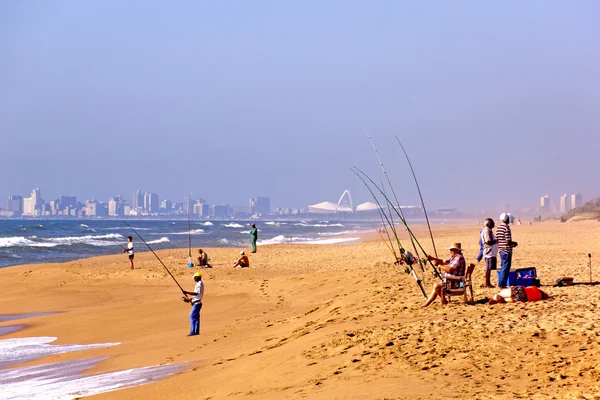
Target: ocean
x=44 y=241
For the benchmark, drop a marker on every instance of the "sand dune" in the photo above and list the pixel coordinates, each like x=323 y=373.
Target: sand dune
x=324 y=322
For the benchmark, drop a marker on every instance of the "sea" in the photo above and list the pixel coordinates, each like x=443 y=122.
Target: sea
x=45 y=241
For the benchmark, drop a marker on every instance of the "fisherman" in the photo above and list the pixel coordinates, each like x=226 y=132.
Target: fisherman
x=129 y=249
x=253 y=237
x=203 y=259
x=454 y=266
x=489 y=250
x=243 y=262
x=505 y=245
x=196 y=302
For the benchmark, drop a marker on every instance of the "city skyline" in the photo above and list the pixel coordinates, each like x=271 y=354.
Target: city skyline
x=271 y=97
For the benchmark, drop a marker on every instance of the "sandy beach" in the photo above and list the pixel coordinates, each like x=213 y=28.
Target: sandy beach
x=326 y=321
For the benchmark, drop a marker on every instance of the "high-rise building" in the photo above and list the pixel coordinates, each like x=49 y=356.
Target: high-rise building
x=563 y=204
x=221 y=211
x=545 y=203
x=166 y=205
x=116 y=207
x=32 y=205
x=15 y=204
x=260 y=205
x=138 y=200
x=151 y=203
x=576 y=200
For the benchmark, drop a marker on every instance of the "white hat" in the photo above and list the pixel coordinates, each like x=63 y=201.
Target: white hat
x=504 y=217
x=242 y=252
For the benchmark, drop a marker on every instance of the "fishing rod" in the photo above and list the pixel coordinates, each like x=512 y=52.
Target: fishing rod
x=393 y=192
x=420 y=195
x=590 y=258
x=157 y=257
x=379 y=210
x=435 y=271
x=391 y=249
x=190 y=262
x=402 y=251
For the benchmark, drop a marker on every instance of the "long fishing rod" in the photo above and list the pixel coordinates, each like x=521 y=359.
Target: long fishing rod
x=393 y=191
x=379 y=210
x=402 y=251
x=435 y=271
x=420 y=195
x=390 y=248
x=157 y=257
x=190 y=262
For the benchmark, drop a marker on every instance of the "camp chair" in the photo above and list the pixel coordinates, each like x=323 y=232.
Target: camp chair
x=463 y=285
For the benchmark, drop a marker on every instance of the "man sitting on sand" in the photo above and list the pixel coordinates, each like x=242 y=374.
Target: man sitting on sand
x=243 y=262
x=203 y=259
x=454 y=266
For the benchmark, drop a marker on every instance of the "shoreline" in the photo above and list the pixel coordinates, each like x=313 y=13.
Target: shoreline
x=334 y=321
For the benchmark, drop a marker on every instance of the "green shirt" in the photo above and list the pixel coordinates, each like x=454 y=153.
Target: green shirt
x=254 y=232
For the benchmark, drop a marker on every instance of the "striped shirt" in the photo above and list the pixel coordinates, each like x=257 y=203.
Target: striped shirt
x=504 y=236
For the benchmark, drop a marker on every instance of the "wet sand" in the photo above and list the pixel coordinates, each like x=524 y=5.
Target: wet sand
x=325 y=321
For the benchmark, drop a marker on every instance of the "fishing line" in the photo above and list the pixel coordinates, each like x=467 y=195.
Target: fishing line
x=420 y=195
x=157 y=257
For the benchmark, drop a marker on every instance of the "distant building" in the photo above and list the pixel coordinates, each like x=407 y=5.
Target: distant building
x=32 y=206
x=242 y=212
x=138 y=200
x=166 y=206
x=260 y=205
x=545 y=203
x=116 y=206
x=151 y=204
x=220 y=211
x=563 y=204
x=576 y=200
x=15 y=204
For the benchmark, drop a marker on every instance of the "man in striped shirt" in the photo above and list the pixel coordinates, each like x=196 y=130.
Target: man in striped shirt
x=505 y=245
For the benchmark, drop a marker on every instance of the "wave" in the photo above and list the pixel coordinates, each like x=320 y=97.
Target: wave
x=20 y=241
x=335 y=233
x=38 y=226
x=161 y=240
x=319 y=225
x=232 y=225
x=116 y=228
x=207 y=223
x=223 y=241
x=193 y=232
x=332 y=241
x=83 y=226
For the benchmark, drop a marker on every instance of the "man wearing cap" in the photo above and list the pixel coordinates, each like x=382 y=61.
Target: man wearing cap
x=505 y=245
x=243 y=262
x=196 y=302
x=455 y=266
x=253 y=237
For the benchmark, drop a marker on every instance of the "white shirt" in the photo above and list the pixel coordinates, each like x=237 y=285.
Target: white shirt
x=487 y=235
x=200 y=290
x=130 y=247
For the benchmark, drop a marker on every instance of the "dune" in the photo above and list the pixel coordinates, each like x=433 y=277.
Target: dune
x=324 y=321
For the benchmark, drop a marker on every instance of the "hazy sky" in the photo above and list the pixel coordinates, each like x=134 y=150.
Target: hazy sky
x=496 y=101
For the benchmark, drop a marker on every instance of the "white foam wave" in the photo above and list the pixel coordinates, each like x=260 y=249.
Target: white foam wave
x=94 y=240
x=83 y=226
x=193 y=232
x=333 y=241
x=16 y=351
x=232 y=225
x=319 y=225
x=20 y=241
x=223 y=241
x=208 y=223
x=335 y=233
x=161 y=240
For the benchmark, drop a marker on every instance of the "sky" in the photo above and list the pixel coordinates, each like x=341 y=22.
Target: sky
x=496 y=102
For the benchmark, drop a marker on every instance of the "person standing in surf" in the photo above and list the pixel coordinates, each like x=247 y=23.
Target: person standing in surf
x=196 y=303
x=129 y=249
x=253 y=237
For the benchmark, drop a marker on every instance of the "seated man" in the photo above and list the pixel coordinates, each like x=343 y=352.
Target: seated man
x=455 y=266
x=203 y=259
x=243 y=262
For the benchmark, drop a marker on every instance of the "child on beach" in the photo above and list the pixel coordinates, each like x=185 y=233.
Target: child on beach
x=129 y=249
